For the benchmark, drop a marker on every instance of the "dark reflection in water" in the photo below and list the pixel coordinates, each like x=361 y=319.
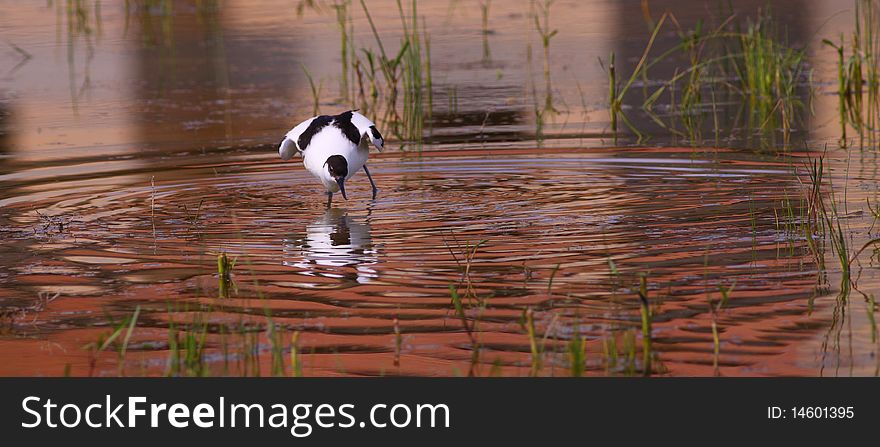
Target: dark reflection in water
x=335 y=245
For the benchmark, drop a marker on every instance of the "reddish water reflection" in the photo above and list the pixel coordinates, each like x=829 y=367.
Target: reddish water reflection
x=152 y=152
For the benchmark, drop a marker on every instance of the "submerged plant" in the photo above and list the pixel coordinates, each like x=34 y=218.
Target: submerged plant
x=224 y=274
x=756 y=65
x=295 y=361
x=577 y=351
x=714 y=310
x=534 y=346
x=484 y=12
x=104 y=341
x=858 y=76
x=645 y=309
x=408 y=71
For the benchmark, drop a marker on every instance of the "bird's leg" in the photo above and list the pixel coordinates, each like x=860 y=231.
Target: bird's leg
x=329 y=198
x=375 y=190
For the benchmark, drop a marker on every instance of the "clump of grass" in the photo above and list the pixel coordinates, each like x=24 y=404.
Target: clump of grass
x=250 y=352
x=756 y=65
x=825 y=218
x=470 y=328
x=542 y=25
x=843 y=87
x=295 y=360
x=858 y=76
x=629 y=353
x=714 y=309
x=224 y=274
x=186 y=348
x=413 y=74
x=609 y=354
x=577 y=352
x=617 y=94
x=276 y=336
x=409 y=72
x=534 y=346
x=104 y=341
x=813 y=220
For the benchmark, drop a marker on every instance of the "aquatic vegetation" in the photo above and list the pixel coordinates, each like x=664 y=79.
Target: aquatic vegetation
x=468 y=252
x=647 y=316
x=617 y=95
x=767 y=74
x=484 y=22
x=316 y=91
x=714 y=310
x=105 y=340
x=346 y=43
x=534 y=346
x=12 y=315
x=552 y=276
x=471 y=328
x=542 y=25
x=539 y=301
x=870 y=309
x=858 y=76
x=398 y=341
x=408 y=71
x=295 y=360
x=224 y=274
x=577 y=348
x=275 y=335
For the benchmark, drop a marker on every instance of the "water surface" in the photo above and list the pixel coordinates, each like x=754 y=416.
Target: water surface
x=136 y=150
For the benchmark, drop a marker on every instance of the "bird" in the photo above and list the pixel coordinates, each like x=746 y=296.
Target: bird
x=334 y=245
x=334 y=148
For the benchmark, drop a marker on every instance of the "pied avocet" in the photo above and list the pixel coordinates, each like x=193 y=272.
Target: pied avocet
x=334 y=148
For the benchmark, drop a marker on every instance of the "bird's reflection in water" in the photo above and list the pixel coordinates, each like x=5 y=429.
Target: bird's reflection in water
x=335 y=246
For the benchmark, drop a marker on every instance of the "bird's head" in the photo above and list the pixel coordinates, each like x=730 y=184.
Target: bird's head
x=337 y=167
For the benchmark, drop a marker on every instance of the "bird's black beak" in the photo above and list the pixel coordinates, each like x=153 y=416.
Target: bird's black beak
x=341 y=182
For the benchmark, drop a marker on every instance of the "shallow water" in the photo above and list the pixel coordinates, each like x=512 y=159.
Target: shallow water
x=122 y=182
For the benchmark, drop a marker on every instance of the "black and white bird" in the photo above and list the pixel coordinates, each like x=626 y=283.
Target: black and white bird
x=334 y=148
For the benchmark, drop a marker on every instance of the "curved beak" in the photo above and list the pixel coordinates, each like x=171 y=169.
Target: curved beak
x=341 y=182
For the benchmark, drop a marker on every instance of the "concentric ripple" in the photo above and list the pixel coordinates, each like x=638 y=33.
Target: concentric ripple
x=566 y=233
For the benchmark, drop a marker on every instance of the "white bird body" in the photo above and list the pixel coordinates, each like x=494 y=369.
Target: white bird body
x=333 y=241
x=320 y=138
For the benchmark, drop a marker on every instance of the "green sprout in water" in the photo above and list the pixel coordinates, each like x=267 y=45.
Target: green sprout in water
x=577 y=351
x=714 y=309
x=534 y=347
x=645 y=309
x=224 y=273
x=295 y=361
